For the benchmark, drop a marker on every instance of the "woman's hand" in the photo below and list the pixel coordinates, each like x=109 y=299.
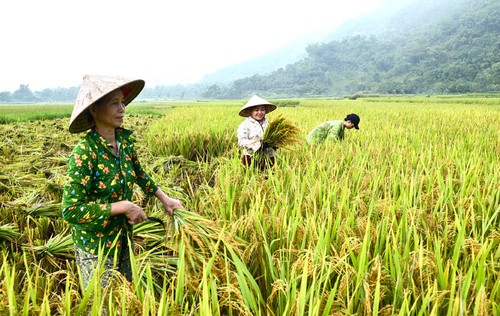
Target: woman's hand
x=169 y=203
x=134 y=213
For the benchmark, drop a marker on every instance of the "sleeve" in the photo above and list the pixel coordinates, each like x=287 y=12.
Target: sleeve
x=77 y=207
x=244 y=139
x=145 y=182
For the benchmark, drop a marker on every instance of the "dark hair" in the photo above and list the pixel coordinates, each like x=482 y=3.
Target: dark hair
x=354 y=118
x=90 y=118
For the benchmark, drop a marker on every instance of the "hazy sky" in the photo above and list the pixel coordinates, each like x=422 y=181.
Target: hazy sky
x=53 y=43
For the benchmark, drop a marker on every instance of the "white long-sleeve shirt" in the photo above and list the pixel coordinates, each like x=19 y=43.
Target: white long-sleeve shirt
x=250 y=133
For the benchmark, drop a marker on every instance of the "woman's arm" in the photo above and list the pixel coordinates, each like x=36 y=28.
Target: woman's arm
x=134 y=213
x=77 y=207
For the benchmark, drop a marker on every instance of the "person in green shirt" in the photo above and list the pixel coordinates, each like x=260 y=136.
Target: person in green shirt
x=102 y=171
x=332 y=130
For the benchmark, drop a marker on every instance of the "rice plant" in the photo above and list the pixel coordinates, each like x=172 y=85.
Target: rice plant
x=400 y=218
x=207 y=250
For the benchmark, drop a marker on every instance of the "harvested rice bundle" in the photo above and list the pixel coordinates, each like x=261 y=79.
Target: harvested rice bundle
x=9 y=232
x=280 y=133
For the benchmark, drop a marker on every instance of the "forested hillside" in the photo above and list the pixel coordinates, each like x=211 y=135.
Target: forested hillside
x=455 y=50
x=406 y=47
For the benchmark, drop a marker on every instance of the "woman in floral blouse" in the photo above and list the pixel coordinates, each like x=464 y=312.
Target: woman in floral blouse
x=251 y=130
x=102 y=170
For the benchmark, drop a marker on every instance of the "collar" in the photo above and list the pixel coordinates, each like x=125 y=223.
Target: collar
x=120 y=134
x=251 y=119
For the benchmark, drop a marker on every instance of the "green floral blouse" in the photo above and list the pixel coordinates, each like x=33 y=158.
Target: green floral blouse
x=97 y=178
x=329 y=131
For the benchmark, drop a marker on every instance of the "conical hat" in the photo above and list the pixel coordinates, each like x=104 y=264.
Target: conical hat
x=254 y=101
x=94 y=88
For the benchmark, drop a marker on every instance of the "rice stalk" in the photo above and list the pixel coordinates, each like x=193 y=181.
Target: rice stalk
x=199 y=236
x=204 y=243
x=11 y=281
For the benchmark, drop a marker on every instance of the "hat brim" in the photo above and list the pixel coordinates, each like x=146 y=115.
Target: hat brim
x=248 y=111
x=130 y=91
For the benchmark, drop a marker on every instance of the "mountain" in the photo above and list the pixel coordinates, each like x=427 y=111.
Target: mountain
x=380 y=21
x=406 y=47
x=265 y=64
x=394 y=17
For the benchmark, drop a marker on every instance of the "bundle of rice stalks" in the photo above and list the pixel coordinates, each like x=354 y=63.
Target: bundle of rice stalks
x=280 y=133
x=44 y=210
x=55 y=250
x=207 y=250
x=9 y=232
x=148 y=234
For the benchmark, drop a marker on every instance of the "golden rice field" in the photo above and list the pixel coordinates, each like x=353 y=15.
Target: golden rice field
x=401 y=218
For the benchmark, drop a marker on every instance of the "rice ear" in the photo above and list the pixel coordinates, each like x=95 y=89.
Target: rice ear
x=281 y=133
x=203 y=240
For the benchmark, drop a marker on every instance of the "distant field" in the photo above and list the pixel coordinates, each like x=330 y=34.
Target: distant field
x=26 y=112
x=29 y=112
x=32 y=112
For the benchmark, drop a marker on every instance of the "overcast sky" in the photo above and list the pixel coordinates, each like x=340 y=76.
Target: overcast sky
x=53 y=43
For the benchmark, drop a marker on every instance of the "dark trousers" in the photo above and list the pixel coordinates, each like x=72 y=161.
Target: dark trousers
x=268 y=162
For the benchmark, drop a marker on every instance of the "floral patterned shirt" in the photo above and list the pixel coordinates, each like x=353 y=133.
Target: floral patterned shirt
x=97 y=178
x=329 y=131
x=250 y=133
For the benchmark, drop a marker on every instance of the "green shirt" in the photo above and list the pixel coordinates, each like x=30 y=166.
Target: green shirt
x=97 y=178
x=329 y=131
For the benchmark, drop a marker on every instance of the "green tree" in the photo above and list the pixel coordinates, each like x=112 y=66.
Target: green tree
x=24 y=94
x=212 y=92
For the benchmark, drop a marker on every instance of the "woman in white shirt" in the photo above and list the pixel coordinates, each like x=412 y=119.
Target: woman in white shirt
x=251 y=131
